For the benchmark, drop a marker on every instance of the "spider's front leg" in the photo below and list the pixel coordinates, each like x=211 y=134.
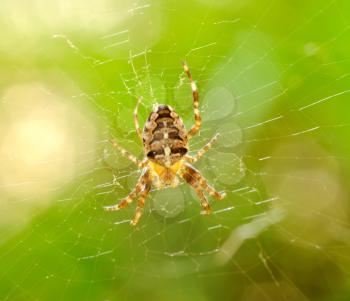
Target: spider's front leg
x=197 y=117
x=136 y=118
x=199 y=183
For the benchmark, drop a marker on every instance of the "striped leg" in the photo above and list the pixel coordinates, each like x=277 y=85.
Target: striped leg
x=136 y=118
x=197 y=117
x=141 y=203
x=204 y=202
x=132 y=195
x=191 y=179
x=202 y=182
x=203 y=150
x=211 y=190
x=124 y=202
x=126 y=154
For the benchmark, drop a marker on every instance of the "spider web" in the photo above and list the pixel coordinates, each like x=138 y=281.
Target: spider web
x=273 y=80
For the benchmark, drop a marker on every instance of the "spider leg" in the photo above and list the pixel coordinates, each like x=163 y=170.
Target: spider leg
x=136 y=118
x=141 y=203
x=192 y=180
x=203 y=150
x=204 y=202
x=126 y=154
x=197 y=117
x=127 y=200
x=202 y=182
x=132 y=195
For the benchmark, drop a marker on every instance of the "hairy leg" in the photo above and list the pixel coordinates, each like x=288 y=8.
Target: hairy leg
x=141 y=183
x=203 y=150
x=136 y=118
x=126 y=154
x=197 y=117
x=192 y=180
x=202 y=182
x=141 y=203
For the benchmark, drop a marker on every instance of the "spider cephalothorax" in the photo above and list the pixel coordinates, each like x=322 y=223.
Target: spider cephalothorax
x=165 y=143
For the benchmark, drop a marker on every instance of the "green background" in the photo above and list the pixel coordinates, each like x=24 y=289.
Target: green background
x=283 y=157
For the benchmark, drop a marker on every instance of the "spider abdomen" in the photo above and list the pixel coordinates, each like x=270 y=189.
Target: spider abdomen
x=164 y=136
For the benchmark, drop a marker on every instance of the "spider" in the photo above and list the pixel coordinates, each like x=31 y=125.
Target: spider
x=165 y=144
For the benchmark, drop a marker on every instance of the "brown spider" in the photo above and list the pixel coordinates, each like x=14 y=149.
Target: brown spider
x=165 y=143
